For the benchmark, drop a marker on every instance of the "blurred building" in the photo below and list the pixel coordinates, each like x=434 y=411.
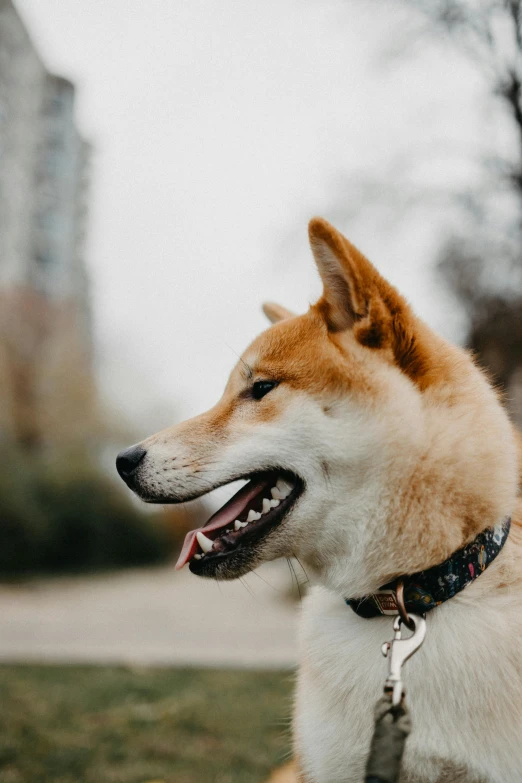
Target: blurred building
x=46 y=383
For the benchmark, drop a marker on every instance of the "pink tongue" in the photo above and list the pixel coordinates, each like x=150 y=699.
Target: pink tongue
x=222 y=518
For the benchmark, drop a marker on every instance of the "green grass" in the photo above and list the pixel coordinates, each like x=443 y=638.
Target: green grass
x=79 y=724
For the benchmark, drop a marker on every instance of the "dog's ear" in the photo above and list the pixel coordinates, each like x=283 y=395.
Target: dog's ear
x=355 y=295
x=275 y=312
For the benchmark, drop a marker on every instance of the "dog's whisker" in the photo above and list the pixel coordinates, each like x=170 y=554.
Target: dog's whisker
x=303 y=569
x=254 y=573
x=247 y=587
x=294 y=576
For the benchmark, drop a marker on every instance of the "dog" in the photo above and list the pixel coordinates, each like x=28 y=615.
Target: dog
x=373 y=450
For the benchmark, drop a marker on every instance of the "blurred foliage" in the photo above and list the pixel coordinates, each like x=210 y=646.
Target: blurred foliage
x=63 y=515
x=494 y=314
x=86 y=725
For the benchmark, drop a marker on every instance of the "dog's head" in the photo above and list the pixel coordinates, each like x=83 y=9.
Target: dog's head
x=371 y=447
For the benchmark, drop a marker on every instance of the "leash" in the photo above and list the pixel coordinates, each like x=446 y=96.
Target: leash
x=392 y=720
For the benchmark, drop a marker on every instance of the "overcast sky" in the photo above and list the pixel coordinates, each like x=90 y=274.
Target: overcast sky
x=219 y=128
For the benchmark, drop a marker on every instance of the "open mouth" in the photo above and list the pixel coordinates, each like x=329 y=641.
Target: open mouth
x=248 y=517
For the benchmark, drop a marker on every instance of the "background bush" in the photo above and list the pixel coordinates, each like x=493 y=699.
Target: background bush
x=64 y=516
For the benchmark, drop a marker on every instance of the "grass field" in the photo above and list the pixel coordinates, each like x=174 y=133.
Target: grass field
x=72 y=724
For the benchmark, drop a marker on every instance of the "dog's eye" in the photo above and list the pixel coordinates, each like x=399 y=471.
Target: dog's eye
x=260 y=388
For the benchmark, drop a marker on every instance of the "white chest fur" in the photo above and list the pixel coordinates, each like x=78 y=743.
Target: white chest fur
x=464 y=690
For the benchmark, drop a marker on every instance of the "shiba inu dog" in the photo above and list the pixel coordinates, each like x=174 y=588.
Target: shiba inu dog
x=373 y=450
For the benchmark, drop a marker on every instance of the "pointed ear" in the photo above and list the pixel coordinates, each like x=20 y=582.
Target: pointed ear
x=275 y=312
x=355 y=295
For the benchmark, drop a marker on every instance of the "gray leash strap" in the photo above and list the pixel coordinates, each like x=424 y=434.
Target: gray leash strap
x=392 y=726
x=392 y=721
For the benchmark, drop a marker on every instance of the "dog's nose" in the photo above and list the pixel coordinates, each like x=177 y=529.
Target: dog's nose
x=128 y=460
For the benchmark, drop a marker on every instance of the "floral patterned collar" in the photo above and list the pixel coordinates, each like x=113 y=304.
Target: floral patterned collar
x=430 y=588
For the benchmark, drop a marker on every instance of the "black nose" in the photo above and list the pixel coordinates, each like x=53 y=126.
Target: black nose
x=128 y=460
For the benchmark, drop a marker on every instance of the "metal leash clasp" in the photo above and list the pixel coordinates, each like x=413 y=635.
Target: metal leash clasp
x=398 y=651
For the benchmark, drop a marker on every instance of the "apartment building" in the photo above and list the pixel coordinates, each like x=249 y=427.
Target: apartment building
x=45 y=316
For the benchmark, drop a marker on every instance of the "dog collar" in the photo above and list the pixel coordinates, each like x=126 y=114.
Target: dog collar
x=430 y=588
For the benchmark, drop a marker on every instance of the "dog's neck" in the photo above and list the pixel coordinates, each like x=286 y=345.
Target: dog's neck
x=422 y=497
x=382 y=542
x=496 y=581
x=427 y=589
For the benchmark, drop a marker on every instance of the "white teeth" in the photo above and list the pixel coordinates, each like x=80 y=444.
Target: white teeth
x=284 y=488
x=274 y=503
x=276 y=494
x=253 y=516
x=205 y=543
x=197 y=557
x=237 y=525
x=266 y=505
x=243 y=524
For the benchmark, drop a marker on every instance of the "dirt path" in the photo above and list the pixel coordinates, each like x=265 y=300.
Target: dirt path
x=151 y=617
